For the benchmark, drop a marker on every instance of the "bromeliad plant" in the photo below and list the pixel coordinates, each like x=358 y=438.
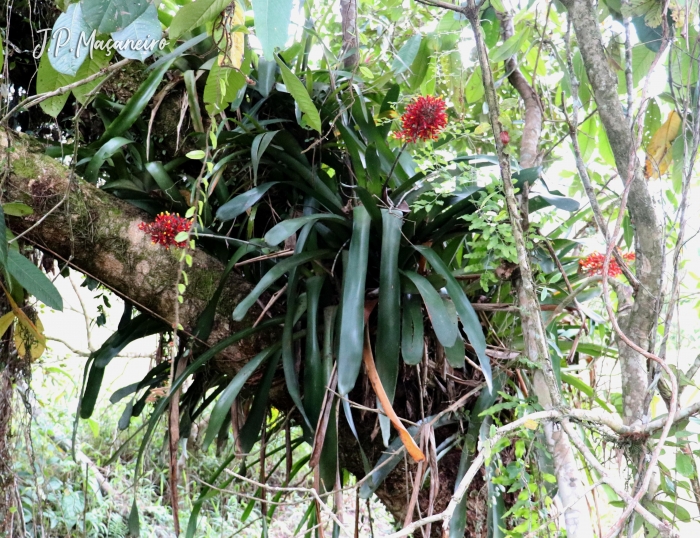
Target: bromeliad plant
x=349 y=242
x=368 y=273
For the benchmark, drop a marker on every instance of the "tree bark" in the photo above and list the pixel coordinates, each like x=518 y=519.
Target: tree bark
x=348 y=14
x=639 y=322
x=576 y=516
x=98 y=234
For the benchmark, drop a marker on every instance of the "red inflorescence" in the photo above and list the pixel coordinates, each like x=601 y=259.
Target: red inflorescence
x=505 y=137
x=593 y=264
x=424 y=119
x=164 y=229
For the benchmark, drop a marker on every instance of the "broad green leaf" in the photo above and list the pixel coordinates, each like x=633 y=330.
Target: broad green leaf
x=296 y=305
x=195 y=14
x=370 y=204
x=301 y=96
x=676 y=509
x=98 y=60
x=273 y=275
x=353 y=305
x=586 y=389
x=241 y=203
x=136 y=105
x=17 y=209
x=48 y=80
x=107 y=16
x=561 y=202
x=474 y=90
x=510 y=47
x=652 y=121
x=491 y=26
x=588 y=137
x=389 y=307
x=280 y=232
x=223 y=405
x=439 y=317
x=146 y=29
x=420 y=65
x=33 y=280
x=467 y=315
x=68 y=47
x=272 y=18
x=223 y=84
x=642 y=58
x=407 y=54
x=684 y=465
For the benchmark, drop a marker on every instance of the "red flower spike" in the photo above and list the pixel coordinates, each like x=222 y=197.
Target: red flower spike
x=505 y=138
x=164 y=229
x=593 y=264
x=424 y=119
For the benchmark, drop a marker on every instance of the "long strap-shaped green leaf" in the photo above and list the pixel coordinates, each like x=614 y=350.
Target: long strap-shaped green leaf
x=250 y=432
x=314 y=381
x=483 y=402
x=138 y=102
x=223 y=405
x=470 y=321
x=439 y=317
x=412 y=330
x=177 y=383
x=288 y=363
x=352 y=321
x=273 y=275
x=139 y=327
x=389 y=327
x=106 y=151
x=301 y=96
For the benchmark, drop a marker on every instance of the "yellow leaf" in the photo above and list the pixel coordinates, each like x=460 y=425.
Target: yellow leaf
x=658 y=154
x=30 y=337
x=6 y=321
x=231 y=42
x=530 y=424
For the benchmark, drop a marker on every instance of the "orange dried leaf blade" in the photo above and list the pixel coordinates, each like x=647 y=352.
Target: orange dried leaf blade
x=405 y=437
x=658 y=151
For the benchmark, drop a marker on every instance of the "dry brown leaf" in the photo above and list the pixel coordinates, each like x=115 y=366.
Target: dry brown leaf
x=30 y=335
x=658 y=151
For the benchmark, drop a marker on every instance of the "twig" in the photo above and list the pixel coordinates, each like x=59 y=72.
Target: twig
x=36 y=99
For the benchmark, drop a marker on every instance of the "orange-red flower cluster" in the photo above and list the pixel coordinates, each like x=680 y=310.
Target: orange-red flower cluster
x=424 y=119
x=593 y=264
x=164 y=229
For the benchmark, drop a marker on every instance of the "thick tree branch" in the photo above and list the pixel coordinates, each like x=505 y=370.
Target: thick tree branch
x=641 y=322
x=99 y=235
x=577 y=517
